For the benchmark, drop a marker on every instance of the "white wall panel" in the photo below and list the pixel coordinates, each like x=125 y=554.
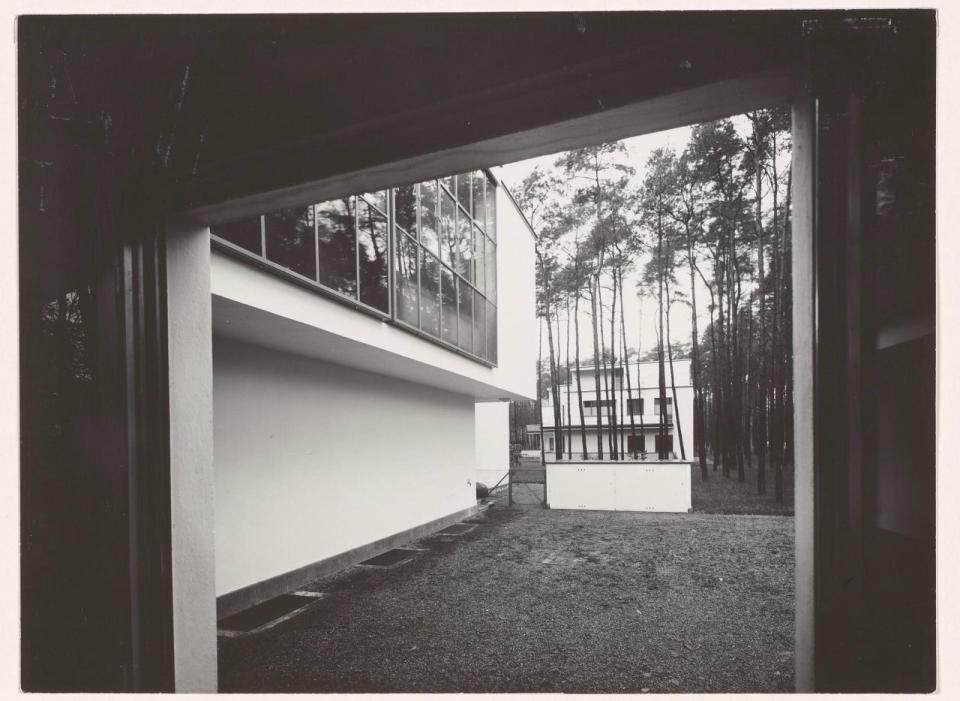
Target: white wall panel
x=313 y=459
x=581 y=486
x=656 y=487
x=626 y=486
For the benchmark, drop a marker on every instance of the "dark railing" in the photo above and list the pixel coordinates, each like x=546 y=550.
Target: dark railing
x=649 y=456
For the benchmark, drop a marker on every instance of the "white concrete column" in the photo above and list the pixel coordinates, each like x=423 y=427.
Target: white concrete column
x=191 y=457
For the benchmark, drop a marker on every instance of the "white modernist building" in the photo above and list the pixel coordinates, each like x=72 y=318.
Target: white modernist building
x=359 y=345
x=631 y=393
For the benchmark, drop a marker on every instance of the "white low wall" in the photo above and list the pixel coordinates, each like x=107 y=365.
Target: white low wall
x=620 y=486
x=313 y=459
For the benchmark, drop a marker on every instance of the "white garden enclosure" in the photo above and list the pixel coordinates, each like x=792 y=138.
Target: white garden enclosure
x=662 y=486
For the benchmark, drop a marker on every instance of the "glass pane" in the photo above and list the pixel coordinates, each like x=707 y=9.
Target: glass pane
x=290 y=240
x=479 y=258
x=477 y=204
x=406 y=276
x=244 y=233
x=463 y=190
x=490 y=200
x=464 y=245
x=448 y=296
x=491 y=333
x=378 y=199
x=405 y=204
x=429 y=236
x=466 y=316
x=429 y=294
x=479 y=340
x=372 y=251
x=448 y=222
x=338 y=254
x=491 y=270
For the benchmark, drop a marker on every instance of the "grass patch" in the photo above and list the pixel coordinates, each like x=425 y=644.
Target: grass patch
x=727 y=495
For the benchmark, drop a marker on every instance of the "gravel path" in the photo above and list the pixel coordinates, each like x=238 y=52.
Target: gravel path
x=540 y=600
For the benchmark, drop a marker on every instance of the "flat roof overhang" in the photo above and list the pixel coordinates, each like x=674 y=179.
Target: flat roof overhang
x=262 y=310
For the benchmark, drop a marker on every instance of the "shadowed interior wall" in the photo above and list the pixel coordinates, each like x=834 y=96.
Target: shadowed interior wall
x=313 y=458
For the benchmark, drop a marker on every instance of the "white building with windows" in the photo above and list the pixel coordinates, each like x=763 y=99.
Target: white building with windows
x=359 y=345
x=629 y=398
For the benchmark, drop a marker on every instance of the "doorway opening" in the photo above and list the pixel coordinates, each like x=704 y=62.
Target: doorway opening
x=664 y=283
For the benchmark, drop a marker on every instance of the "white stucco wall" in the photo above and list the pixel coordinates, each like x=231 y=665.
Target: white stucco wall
x=313 y=458
x=492 y=426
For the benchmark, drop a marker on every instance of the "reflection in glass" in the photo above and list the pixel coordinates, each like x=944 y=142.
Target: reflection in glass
x=337 y=238
x=429 y=294
x=372 y=250
x=290 y=240
x=477 y=202
x=479 y=341
x=448 y=296
x=244 y=233
x=378 y=199
x=406 y=274
x=448 y=222
x=428 y=216
x=491 y=333
x=444 y=255
x=466 y=316
x=490 y=220
x=463 y=190
x=63 y=341
x=491 y=270
x=479 y=259
x=405 y=206
x=464 y=245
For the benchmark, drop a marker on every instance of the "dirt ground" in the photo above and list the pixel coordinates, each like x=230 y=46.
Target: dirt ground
x=540 y=600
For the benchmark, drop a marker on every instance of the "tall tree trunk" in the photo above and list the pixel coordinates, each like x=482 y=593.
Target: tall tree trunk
x=643 y=429
x=738 y=389
x=615 y=451
x=698 y=408
x=569 y=423
x=576 y=331
x=673 y=383
x=762 y=380
x=559 y=410
x=605 y=374
x=557 y=421
x=715 y=394
x=596 y=365
x=718 y=340
x=543 y=433
x=747 y=442
x=626 y=368
x=784 y=350
x=662 y=453
x=624 y=364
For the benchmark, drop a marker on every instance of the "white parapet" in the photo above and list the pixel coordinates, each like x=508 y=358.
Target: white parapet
x=659 y=486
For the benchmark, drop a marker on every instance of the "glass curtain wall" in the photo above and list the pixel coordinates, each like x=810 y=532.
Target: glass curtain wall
x=444 y=255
